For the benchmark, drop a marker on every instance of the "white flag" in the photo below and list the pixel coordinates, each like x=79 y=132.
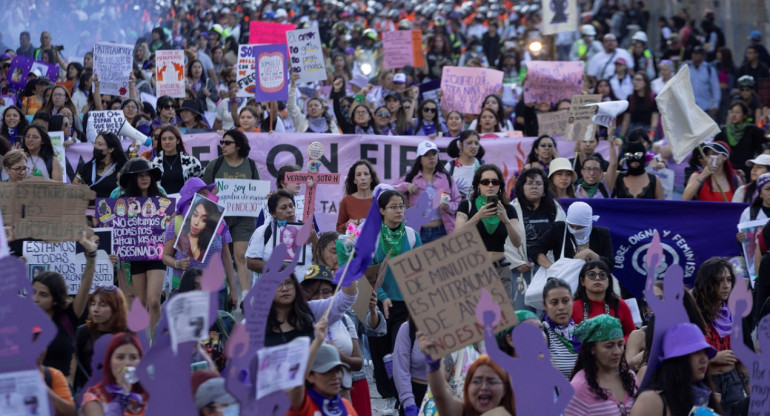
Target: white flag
x=685 y=125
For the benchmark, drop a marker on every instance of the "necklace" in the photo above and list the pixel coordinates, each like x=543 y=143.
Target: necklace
x=36 y=171
x=170 y=165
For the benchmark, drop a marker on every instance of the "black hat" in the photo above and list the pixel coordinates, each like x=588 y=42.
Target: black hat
x=698 y=49
x=393 y=95
x=318 y=272
x=191 y=105
x=136 y=166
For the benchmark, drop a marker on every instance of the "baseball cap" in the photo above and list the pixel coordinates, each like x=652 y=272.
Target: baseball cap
x=213 y=391
x=755 y=35
x=399 y=78
x=621 y=61
x=718 y=147
x=425 y=147
x=762 y=159
x=684 y=339
x=588 y=30
x=5 y=57
x=698 y=49
x=326 y=359
x=35 y=72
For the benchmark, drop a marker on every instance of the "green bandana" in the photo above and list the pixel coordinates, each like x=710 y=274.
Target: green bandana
x=521 y=316
x=599 y=328
x=391 y=239
x=490 y=223
x=590 y=189
x=735 y=132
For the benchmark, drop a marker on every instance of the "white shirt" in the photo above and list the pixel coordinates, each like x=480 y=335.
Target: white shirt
x=257 y=249
x=598 y=61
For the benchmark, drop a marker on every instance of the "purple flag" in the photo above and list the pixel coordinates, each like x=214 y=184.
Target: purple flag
x=364 y=250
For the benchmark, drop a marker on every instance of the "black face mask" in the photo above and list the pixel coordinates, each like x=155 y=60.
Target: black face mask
x=98 y=154
x=638 y=169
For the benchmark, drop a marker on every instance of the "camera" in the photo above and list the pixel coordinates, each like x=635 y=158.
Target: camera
x=59 y=48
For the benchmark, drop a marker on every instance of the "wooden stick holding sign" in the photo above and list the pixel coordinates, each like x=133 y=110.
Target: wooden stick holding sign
x=312 y=178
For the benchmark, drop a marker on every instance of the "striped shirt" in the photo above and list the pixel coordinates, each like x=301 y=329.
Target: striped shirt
x=561 y=357
x=585 y=403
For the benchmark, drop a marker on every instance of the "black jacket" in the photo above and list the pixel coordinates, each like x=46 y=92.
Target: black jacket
x=599 y=242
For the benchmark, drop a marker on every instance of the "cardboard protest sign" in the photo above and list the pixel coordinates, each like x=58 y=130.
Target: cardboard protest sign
x=307 y=58
x=113 y=63
x=553 y=123
x=268 y=32
x=553 y=81
x=243 y=197
x=108 y=120
x=282 y=367
x=559 y=16
x=57 y=141
x=361 y=306
x=752 y=229
x=272 y=78
x=65 y=259
x=44 y=209
x=607 y=112
x=24 y=393
x=401 y=48
x=580 y=116
x=199 y=227
x=441 y=283
x=188 y=317
x=246 y=71
x=138 y=224
x=464 y=89
x=22 y=65
x=169 y=73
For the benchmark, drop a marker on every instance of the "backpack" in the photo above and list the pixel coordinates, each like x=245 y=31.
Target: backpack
x=218 y=164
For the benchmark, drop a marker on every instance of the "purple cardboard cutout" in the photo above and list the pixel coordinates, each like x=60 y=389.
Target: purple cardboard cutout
x=668 y=311
x=20 y=67
x=739 y=303
x=96 y=365
x=415 y=216
x=138 y=318
x=241 y=372
x=530 y=344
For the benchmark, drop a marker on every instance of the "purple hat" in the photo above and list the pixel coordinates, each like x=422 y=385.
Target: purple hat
x=762 y=180
x=684 y=339
x=190 y=188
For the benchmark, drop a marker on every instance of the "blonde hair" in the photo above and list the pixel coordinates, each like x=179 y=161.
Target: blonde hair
x=13 y=157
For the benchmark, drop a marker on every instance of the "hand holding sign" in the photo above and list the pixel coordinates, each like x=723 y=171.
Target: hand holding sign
x=608 y=112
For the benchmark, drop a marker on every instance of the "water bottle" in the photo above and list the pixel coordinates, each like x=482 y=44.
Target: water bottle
x=130 y=376
x=388 y=361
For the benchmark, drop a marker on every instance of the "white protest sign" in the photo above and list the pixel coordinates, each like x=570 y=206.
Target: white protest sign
x=57 y=140
x=282 y=367
x=188 y=317
x=559 y=16
x=243 y=197
x=306 y=55
x=109 y=120
x=24 y=393
x=608 y=111
x=63 y=259
x=112 y=63
x=169 y=73
x=246 y=71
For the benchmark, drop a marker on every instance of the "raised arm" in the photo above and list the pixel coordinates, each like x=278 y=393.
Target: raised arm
x=81 y=298
x=297 y=394
x=446 y=403
x=612 y=170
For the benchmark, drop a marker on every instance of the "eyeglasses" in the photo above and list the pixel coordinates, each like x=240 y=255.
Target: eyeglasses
x=383 y=115
x=429 y=110
x=534 y=184
x=326 y=292
x=166 y=107
x=19 y=170
x=407 y=107
x=28 y=137
x=488 y=182
x=58 y=95
x=396 y=207
x=592 y=170
x=545 y=145
x=224 y=143
x=360 y=112
x=597 y=276
x=131 y=107
x=635 y=155
x=67 y=124
x=286 y=284
x=492 y=382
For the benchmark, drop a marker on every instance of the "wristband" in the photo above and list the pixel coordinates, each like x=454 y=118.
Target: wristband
x=91 y=255
x=431 y=364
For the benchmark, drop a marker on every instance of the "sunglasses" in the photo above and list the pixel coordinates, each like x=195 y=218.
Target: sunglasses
x=636 y=155
x=429 y=109
x=166 y=107
x=488 y=182
x=224 y=143
x=597 y=276
x=385 y=115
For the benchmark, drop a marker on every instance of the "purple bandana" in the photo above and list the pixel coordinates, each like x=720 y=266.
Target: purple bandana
x=724 y=321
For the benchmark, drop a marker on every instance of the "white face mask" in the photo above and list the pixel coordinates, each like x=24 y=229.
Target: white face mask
x=232 y=410
x=581 y=236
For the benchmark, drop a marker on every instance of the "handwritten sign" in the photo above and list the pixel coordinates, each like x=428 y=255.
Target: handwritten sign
x=553 y=81
x=282 y=367
x=22 y=65
x=243 y=197
x=579 y=118
x=65 y=259
x=169 y=73
x=559 y=16
x=113 y=62
x=246 y=71
x=57 y=141
x=109 y=120
x=441 y=283
x=138 y=225
x=464 y=89
x=268 y=32
x=44 y=209
x=316 y=179
x=188 y=317
x=306 y=54
x=553 y=123
x=402 y=48
x=752 y=229
x=272 y=82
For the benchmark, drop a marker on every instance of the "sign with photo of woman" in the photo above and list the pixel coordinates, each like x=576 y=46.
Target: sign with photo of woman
x=199 y=227
x=287 y=233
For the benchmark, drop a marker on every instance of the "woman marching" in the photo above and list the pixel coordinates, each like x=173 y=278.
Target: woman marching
x=467 y=154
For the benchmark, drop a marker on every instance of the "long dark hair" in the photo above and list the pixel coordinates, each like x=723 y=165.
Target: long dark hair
x=706 y=288
x=671 y=378
x=204 y=78
x=417 y=168
x=384 y=198
x=187 y=282
x=532 y=157
x=586 y=361
x=350 y=180
x=500 y=107
x=634 y=100
x=436 y=120
x=610 y=298
x=488 y=110
x=611 y=96
x=454 y=150
x=477 y=178
x=58 y=288
x=212 y=220
x=46 y=147
x=546 y=201
x=132 y=189
x=5 y=131
x=329 y=237
x=117 y=155
x=370 y=125
x=175 y=131
x=300 y=316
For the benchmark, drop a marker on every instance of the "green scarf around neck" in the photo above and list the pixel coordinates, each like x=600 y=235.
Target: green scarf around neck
x=590 y=189
x=490 y=223
x=735 y=132
x=391 y=239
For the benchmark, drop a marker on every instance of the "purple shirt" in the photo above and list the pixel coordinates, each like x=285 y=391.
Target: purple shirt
x=408 y=363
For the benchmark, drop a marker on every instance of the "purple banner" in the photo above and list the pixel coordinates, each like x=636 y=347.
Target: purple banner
x=137 y=225
x=272 y=77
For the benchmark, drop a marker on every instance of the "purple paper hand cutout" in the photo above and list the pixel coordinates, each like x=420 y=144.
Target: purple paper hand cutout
x=533 y=357
x=415 y=216
x=138 y=318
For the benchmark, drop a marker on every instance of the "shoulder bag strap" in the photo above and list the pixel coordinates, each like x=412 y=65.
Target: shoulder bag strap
x=564 y=240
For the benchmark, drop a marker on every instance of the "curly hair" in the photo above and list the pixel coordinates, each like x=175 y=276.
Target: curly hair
x=58 y=288
x=706 y=289
x=586 y=361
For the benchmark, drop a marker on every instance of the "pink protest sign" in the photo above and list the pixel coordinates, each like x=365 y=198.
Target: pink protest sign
x=553 y=81
x=22 y=65
x=464 y=89
x=402 y=48
x=268 y=32
x=169 y=70
x=272 y=78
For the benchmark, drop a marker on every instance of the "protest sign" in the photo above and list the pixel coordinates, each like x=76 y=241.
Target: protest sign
x=361 y=306
x=553 y=81
x=112 y=63
x=559 y=16
x=464 y=89
x=401 y=48
x=441 y=283
x=24 y=393
x=243 y=197
x=199 y=227
x=22 y=65
x=246 y=71
x=268 y=32
x=109 y=120
x=553 y=123
x=138 y=224
x=271 y=80
x=45 y=210
x=306 y=53
x=188 y=316
x=282 y=367
x=65 y=259
x=579 y=117
x=169 y=73
x=607 y=112
x=57 y=141
x=752 y=229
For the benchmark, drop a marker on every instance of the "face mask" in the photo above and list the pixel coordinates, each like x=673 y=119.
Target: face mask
x=98 y=154
x=479 y=49
x=581 y=236
x=232 y=410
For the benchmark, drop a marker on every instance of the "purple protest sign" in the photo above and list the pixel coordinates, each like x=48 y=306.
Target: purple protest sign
x=415 y=215
x=272 y=75
x=22 y=65
x=553 y=81
x=138 y=225
x=464 y=89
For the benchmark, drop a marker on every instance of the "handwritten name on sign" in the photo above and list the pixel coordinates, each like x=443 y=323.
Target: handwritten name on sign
x=306 y=54
x=112 y=62
x=44 y=209
x=243 y=197
x=138 y=225
x=441 y=283
x=464 y=89
x=553 y=81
